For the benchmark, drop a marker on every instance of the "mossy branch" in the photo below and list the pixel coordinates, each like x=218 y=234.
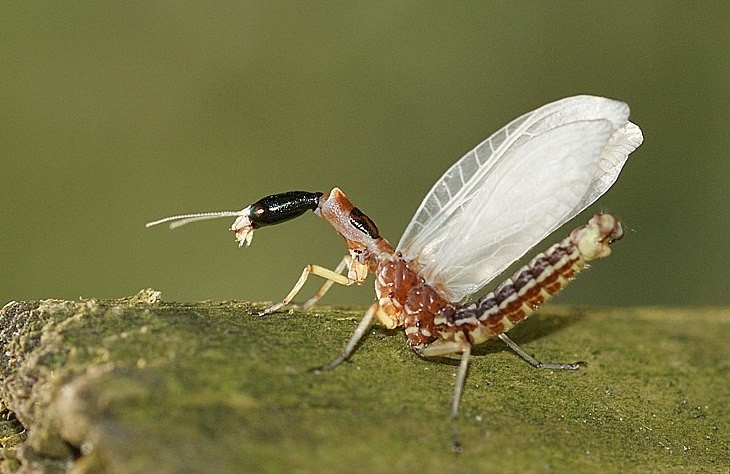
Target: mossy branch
x=143 y=385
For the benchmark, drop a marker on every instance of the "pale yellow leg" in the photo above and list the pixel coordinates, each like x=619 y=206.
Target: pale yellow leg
x=342 y=266
x=332 y=276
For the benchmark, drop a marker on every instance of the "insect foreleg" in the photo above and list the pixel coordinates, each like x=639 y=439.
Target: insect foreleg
x=342 y=266
x=332 y=276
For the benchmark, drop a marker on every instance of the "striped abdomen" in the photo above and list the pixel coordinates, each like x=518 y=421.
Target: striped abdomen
x=531 y=286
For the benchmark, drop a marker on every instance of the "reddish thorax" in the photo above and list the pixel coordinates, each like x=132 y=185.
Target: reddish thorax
x=404 y=298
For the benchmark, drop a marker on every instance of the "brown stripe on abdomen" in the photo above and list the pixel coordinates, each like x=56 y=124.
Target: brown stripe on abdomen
x=523 y=293
x=536 y=282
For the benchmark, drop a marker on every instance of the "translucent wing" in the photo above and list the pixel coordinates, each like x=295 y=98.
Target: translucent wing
x=515 y=188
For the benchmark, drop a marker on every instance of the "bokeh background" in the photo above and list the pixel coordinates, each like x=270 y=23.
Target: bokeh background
x=116 y=113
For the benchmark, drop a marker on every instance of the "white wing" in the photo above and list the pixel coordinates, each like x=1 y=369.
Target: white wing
x=515 y=188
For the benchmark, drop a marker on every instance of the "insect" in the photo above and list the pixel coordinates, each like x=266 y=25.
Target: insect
x=484 y=213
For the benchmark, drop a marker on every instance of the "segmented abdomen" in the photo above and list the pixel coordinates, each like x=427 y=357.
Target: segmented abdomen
x=531 y=286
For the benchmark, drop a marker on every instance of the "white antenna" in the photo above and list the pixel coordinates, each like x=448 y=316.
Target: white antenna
x=183 y=219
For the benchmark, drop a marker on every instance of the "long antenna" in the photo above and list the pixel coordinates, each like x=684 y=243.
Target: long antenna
x=177 y=221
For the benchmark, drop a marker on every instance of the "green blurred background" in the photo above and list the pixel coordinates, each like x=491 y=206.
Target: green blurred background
x=114 y=114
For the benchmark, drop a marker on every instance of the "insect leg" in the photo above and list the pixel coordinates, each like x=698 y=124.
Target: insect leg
x=360 y=331
x=342 y=266
x=534 y=362
x=456 y=400
x=332 y=276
